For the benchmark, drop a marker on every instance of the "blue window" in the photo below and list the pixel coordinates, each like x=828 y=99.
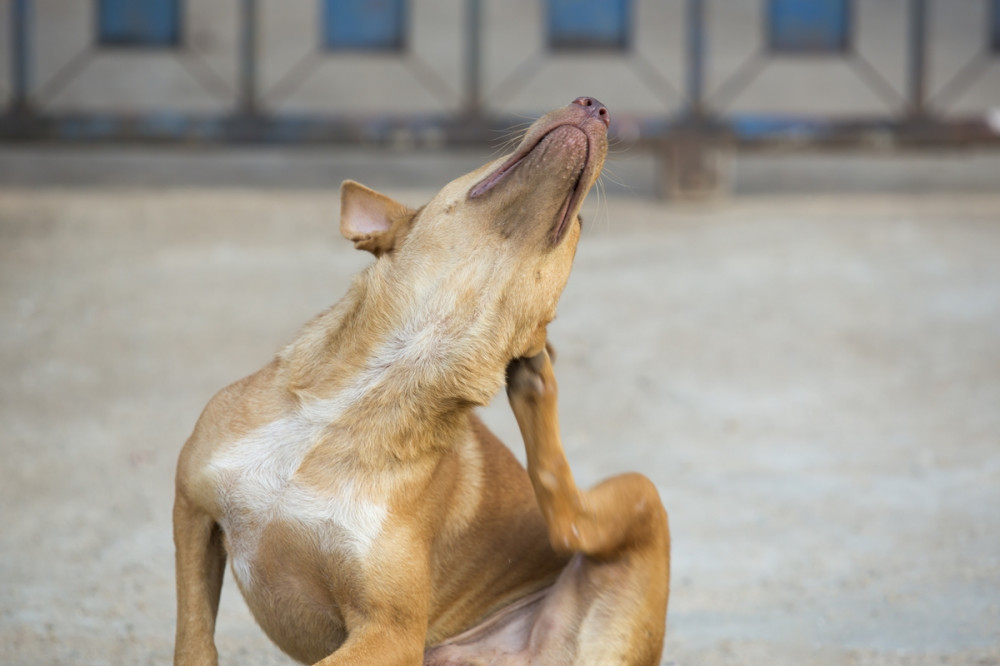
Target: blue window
x=809 y=26
x=589 y=24
x=139 y=23
x=364 y=25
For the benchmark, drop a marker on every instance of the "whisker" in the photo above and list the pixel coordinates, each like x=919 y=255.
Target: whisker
x=524 y=116
x=511 y=137
x=514 y=135
x=619 y=147
x=602 y=198
x=515 y=127
x=612 y=175
x=600 y=192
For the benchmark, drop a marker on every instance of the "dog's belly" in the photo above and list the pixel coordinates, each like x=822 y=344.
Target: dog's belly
x=566 y=623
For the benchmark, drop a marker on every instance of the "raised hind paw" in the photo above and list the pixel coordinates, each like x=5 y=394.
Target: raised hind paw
x=530 y=379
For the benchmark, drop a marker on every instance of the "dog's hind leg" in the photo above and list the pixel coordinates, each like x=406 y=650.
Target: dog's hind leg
x=201 y=564
x=619 y=528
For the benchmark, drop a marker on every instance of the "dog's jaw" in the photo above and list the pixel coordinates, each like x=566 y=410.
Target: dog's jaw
x=577 y=134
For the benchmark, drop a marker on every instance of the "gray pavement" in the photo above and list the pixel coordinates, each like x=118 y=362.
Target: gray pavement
x=811 y=379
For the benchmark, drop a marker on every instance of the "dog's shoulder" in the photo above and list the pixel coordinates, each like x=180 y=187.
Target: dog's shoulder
x=231 y=415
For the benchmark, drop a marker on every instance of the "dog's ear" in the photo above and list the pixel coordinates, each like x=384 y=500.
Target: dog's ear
x=371 y=220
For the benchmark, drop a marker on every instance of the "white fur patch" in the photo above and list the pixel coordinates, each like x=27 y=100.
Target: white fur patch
x=257 y=485
x=256 y=476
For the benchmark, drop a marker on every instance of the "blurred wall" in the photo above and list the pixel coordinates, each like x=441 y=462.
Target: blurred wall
x=71 y=71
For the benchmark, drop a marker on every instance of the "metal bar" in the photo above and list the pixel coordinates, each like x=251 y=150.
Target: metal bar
x=431 y=81
x=248 y=58
x=655 y=81
x=47 y=90
x=473 y=58
x=993 y=27
x=203 y=73
x=960 y=82
x=875 y=81
x=293 y=78
x=520 y=77
x=917 y=58
x=739 y=80
x=695 y=57
x=20 y=53
x=861 y=132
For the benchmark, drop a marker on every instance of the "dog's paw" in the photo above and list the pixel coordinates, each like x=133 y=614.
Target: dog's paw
x=530 y=377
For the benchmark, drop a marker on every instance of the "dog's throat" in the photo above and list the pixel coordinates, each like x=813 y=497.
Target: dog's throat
x=411 y=394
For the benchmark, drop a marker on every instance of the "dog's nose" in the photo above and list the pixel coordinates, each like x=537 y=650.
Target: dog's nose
x=594 y=108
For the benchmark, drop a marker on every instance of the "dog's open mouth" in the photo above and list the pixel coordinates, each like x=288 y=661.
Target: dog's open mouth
x=573 y=144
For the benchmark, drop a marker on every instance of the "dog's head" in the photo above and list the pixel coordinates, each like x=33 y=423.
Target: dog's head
x=490 y=254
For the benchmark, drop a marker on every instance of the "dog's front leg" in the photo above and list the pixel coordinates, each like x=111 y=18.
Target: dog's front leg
x=392 y=631
x=387 y=621
x=620 y=512
x=201 y=563
x=379 y=645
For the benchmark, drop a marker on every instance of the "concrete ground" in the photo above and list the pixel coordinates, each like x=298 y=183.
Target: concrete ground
x=811 y=379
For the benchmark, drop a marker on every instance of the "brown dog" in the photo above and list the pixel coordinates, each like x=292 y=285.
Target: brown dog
x=369 y=515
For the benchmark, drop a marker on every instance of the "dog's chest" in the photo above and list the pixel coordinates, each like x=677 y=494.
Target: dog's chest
x=259 y=488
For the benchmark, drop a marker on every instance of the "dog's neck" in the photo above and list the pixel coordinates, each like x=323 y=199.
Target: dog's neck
x=394 y=369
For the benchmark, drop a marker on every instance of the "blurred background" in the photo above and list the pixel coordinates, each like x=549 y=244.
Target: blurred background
x=688 y=78
x=785 y=308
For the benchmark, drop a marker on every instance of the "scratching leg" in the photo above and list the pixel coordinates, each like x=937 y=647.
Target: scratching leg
x=201 y=563
x=619 y=526
x=617 y=513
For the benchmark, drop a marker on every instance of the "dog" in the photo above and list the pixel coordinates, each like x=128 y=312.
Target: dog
x=369 y=516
